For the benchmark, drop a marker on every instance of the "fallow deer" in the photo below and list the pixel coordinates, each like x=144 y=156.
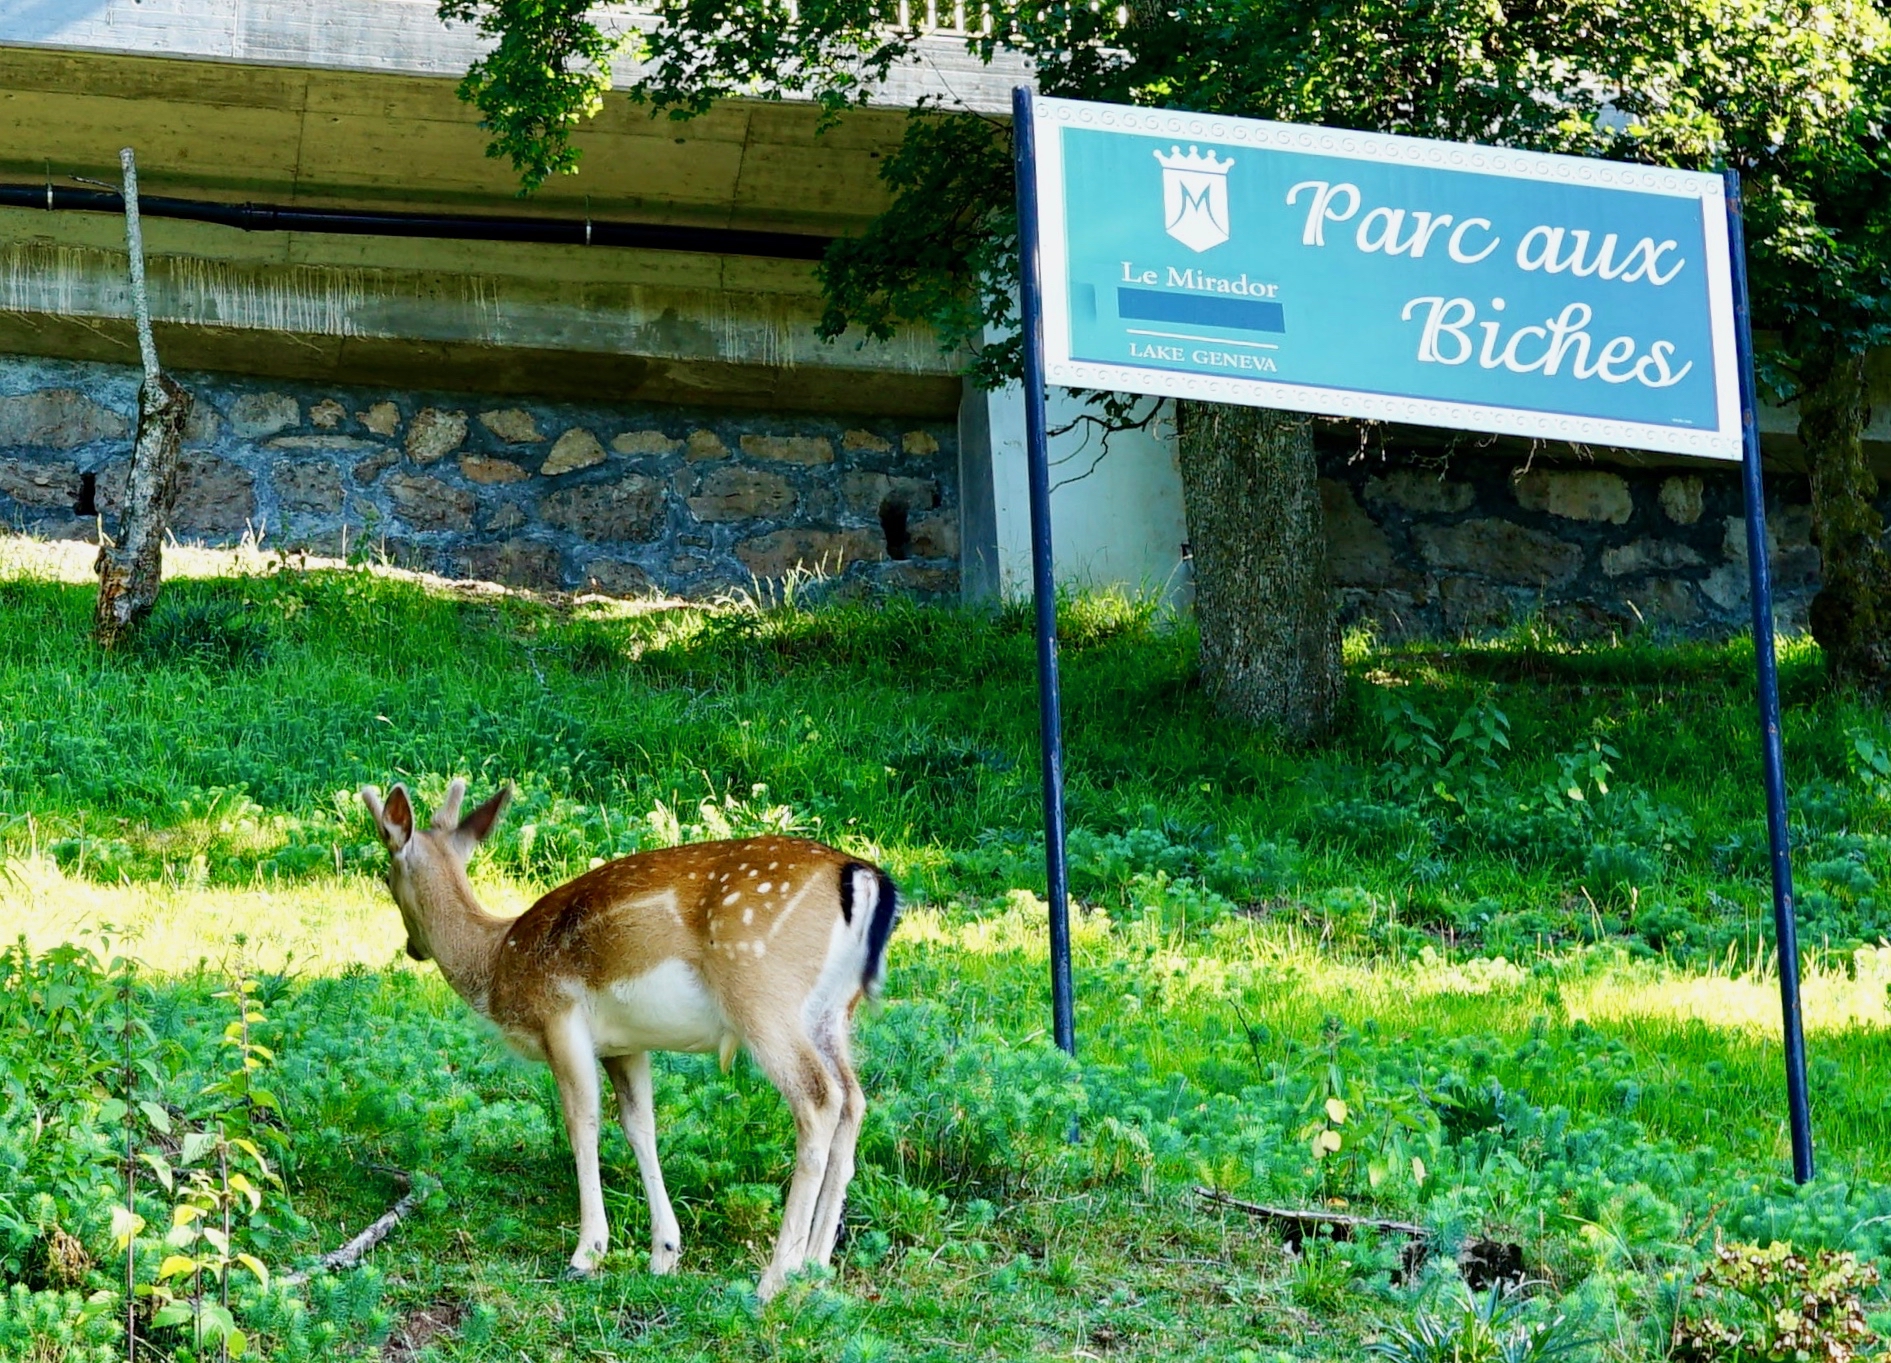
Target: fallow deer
x=764 y=943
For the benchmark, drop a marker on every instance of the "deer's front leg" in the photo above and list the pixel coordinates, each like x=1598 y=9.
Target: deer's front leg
x=636 y=1112
x=574 y=1064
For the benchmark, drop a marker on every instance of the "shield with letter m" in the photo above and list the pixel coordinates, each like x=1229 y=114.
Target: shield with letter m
x=1195 y=197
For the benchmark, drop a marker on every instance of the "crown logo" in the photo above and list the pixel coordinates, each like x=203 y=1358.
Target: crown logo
x=1195 y=197
x=1195 y=161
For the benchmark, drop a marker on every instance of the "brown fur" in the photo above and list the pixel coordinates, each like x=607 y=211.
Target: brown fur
x=745 y=927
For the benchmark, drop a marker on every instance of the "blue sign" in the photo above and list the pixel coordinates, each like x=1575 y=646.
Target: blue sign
x=1365 y=275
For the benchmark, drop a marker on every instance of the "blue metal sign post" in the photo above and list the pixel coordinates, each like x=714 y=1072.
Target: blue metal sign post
x=1772 y=757
x=1393 y=279
x=1043 y=584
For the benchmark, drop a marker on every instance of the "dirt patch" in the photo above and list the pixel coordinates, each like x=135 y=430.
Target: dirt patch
x=417 y=1329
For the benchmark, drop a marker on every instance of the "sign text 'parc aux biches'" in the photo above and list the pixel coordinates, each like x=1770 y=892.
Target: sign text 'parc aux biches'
x=1358 y=274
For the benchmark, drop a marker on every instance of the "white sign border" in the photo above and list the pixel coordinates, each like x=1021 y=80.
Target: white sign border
x=1053 y=116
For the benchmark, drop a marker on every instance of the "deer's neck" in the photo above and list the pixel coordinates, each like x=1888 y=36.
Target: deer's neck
x=464 y=939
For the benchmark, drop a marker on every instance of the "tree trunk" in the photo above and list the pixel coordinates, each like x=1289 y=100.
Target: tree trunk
x=1851 y=616
x=1270 y=638
x=129 y=571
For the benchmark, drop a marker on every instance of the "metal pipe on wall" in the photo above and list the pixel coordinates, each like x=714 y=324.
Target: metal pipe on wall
x=250 y=217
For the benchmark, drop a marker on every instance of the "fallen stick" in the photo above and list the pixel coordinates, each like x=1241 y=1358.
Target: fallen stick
x=351 y=1253
x=1304 y=1219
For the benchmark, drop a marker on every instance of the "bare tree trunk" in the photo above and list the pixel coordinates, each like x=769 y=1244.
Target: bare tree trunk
x=129 y=572
x=1270 y=638
x=1851 y=616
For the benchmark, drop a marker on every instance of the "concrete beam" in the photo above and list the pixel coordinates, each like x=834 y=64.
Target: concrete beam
x=404 y=37
x=526 y=332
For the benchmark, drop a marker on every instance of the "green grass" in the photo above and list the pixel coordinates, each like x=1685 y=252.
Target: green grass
x=1559 y=1007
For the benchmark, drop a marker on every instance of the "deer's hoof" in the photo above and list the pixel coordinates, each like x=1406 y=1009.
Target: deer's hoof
x=663 y=1258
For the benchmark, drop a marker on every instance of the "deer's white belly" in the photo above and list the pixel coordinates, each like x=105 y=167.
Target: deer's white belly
x=665 y=1009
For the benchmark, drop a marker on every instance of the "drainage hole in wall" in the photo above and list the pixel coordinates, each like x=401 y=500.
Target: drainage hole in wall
x=899 y=542
x=87 y=505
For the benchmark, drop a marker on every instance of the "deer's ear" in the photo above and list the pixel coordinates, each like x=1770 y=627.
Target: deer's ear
x=447 y=817
x=476 y=827
x=394 y=821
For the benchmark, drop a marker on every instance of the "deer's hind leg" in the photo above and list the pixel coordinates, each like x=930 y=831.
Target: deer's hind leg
x=815 y=1095
x=830 y=1037
x=637 y=1114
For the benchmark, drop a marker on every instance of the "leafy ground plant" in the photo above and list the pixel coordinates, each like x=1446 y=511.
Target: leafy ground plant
x=1477 y=1327
x=1758 y=1304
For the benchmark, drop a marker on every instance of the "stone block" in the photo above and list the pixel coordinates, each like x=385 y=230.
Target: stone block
x=514 y=425
x=618 y=577
x=1789 y=551
x=1681 y=498
x=327 y=414
x=1357 y=551
x=214 y=497
x=34 y=484
x=807 y=547
x=1391 y=614
x=1726 y=586
x=1473 y=607
x=644 y=442
x=1577 y=496
x=434 y=434
x=1665 y=603
x=934 y=536
x=369 y=469
x=506 y=516
x=479 y=469
x=789 y=449
x=383 y=418
x=259 y=414
x=59 y=419
x=866 y=492
x=429 y=504
x=1417 y=490
x=576 y=449
x=308 y=487
x=1500 y=549
x=920 y=443
x=865 y=441
x=629 y=509
x=920 y=580
x=1645 y=555
x=513 y=562
x=324 y=444
x=1583 y=621
x=704 y=445
x=734 y=493
x=202 y=426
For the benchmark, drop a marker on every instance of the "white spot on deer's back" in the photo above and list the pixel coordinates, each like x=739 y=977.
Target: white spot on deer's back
x=748 y=916
x=765 y=887
x=731 y=897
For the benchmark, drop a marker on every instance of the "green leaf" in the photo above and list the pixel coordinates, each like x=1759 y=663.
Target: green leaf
x=157 y=1116
x=161 y=1167
x=126 y=1225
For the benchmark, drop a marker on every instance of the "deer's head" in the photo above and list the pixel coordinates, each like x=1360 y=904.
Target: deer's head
x=426 y=867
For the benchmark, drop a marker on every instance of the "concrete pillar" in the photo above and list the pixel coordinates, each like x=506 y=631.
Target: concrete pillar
x=1116 y=502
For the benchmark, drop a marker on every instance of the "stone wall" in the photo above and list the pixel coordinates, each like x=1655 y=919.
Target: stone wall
x=623 y=499
x=1424 y=547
